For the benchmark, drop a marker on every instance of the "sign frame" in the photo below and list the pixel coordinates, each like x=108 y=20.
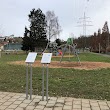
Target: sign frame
x=31 y=57
x=46 y=58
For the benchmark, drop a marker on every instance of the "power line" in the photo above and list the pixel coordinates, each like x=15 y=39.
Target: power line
x=84 y=22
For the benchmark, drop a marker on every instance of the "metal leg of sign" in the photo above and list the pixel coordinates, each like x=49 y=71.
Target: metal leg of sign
x=0 y=53
x=30 y=81
x=27 y=81
x=47 y=85
x=43 y=82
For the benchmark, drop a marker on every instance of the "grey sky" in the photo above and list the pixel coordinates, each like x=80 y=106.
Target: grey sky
x=13 y=14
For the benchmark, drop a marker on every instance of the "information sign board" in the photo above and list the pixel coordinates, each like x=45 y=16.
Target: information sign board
x=46 y=58
x=31 y=57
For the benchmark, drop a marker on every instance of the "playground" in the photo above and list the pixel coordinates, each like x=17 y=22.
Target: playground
x=65 y=64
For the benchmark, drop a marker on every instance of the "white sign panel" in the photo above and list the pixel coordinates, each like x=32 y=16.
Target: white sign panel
x=46 y=58
x=31 y=57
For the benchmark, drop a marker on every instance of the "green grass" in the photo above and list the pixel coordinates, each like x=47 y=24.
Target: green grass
x=94 y=84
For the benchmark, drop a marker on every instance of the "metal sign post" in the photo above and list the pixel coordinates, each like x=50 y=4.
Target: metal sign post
x=27 y=80
x=43 y=82
x=46 y=59
x=0 y=53
x=47 y=84
x=29 y=61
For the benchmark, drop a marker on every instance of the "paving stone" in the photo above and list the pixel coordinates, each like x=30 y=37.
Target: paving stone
x=21 y=99
x=76 y=109
x=7 y=103
x=102 y=103
x=68 y=103
x=85 y=101
x=22 y=105
x=20 y=94
x=77 y=99
x=53 y=98
x=48 y=108
x=3 y=100
x=1 y=93
x=17 y=102
x=16 y=97
x=33 y=104
x=95 y=108
x=23 y=96
x=86 y=108
x=50 y=105
x=86 y=105
x=13 y=106
x=38 y=97
x=69 y=99
x=57 y=108
x=12 y=94
x=42 y=102
x=11 y=100
x=109 y=105
x=40 y=107
x=30 y=107
x=36 y=100
x=52 y=101
x=103 y=107
x=18 y=108
x=67 y=107
x=3 y=107
x=1 y=103
x=2 y=96
x=93 y=101
x=9 y=109
x=59 y=105
x=60 y=101
x=94 y=104
x=77 y=102
x=6 y=93
x=27 y=101
x=108 y=102
x=8 y=97
x=77 y=106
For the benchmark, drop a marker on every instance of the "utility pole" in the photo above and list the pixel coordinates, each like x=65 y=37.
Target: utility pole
x=84 y=25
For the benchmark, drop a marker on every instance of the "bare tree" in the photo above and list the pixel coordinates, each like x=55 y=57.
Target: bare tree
x=53 y=27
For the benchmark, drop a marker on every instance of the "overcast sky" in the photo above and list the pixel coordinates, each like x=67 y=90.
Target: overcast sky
x=14 y=15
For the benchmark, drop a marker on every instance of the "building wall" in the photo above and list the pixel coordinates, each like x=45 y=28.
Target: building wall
x=12 y=46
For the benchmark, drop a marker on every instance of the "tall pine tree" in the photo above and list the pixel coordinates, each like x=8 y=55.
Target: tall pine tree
x=37 y=33
x=105 y=36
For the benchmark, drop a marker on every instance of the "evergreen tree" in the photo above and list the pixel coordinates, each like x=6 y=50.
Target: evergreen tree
x=99 y=40
x=105 y=36
x=58 y=41
x=37 y=33
x=26 y=44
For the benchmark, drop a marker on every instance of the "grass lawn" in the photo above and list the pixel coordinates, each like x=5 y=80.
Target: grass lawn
x=94 y=84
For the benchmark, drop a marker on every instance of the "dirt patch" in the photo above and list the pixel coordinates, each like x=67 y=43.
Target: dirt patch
x=75 y=65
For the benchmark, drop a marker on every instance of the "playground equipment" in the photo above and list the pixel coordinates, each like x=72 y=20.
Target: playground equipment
x=52 y=47
x=72 y=47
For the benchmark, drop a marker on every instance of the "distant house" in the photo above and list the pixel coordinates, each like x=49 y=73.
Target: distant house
x=13 y=46
x=2 y=39
x=1 y=47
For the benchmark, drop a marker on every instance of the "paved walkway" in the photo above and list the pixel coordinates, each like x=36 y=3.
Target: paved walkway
x=17 y=101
